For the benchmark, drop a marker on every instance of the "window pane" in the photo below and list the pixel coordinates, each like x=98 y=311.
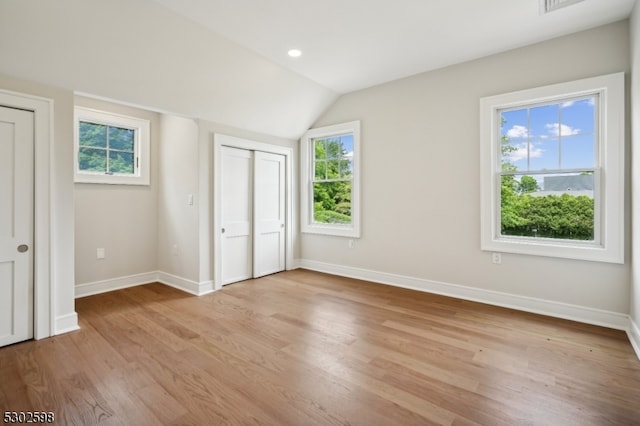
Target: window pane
x=320 y=149
x=320 y=170
x=580 y=115
x=333 y=169
x=542 y=119
x=334 y=147
x=347 y=146
x=121 y=139
x=514 y=138
x=556 y=206
x=92 y=134
x=514 y=123
x=514 y=154
x=92 y=160
x=578 y=152
x=544 y=154
x=346 y=168
x=121 y=162
x=332 y=202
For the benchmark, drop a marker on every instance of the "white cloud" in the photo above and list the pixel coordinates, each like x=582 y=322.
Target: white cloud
x=556 y=129
x=521 y=152
x=567 y=104
x=518 y=131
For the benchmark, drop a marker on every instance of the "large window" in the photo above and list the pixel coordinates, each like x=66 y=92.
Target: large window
x=330 y=180
x=111 y=148
x=553 y=170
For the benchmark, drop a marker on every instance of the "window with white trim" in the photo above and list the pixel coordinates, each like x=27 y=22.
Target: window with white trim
x=330 y=180
x=111 y=148
x=552 y=170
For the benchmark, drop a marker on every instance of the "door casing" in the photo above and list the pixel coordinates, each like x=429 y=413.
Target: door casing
x=43 y=284
x=16 y=241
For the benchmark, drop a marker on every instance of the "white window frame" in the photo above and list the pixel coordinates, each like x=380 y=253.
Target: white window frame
x=351 y=230
x=609 y=171
x=142 y=158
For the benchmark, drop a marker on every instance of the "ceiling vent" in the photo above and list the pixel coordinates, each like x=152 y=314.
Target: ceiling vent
x=547 y=6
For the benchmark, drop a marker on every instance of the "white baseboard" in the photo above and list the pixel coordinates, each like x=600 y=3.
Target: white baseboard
x=551 y=308
x=66 y=323
x=189 y=286
x=97 y=287
x=634 y=336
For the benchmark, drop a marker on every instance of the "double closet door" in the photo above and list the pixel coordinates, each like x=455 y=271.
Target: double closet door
x=253 y=214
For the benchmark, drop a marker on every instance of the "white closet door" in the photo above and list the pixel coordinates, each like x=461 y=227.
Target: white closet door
x=269 y=214
x=237 y=215
x=253 y=214
x=16 y=225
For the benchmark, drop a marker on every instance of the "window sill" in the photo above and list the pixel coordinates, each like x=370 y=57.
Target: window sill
x=335 y=231
x=577 y=250
x=111 y=179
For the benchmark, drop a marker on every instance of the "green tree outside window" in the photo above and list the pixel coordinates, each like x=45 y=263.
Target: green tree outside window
x=106 y=149
x=332 y=179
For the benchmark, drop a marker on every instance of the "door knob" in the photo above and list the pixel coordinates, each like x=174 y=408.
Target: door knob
x=23 y=248
x=223 y=230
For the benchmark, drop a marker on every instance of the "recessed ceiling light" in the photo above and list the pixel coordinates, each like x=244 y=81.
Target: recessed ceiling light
x=294 y=53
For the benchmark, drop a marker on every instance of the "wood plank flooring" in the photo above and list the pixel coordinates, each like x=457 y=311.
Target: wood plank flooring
x=305 y=348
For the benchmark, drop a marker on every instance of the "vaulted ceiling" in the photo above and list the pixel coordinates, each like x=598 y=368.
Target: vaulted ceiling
x=349 y=45
x=226 y=61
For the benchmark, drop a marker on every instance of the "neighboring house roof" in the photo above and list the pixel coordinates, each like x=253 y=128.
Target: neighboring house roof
x=574 y=185
x=568 y=183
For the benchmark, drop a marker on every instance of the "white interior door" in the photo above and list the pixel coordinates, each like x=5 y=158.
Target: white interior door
x=237 y=215
x=16 y=225
x=253 y=214
x=268 y=214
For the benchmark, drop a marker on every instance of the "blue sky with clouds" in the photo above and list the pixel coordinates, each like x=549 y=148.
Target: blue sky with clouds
x=552 y=136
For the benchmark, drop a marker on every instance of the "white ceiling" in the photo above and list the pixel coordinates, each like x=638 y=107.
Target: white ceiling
x=226 y=61
x=352 y=44
x=141 y=53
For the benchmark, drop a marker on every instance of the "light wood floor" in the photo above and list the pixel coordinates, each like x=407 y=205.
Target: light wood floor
x=304 y=348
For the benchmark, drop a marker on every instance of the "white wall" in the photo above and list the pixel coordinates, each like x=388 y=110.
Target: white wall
x=122 y=219
x=178 y=226
x=61 y=200
x=420 y=170
x=635 y=123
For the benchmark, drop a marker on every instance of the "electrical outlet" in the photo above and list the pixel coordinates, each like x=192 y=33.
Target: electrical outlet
x=352 y=244
x=100 y=254
x=496 y=258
